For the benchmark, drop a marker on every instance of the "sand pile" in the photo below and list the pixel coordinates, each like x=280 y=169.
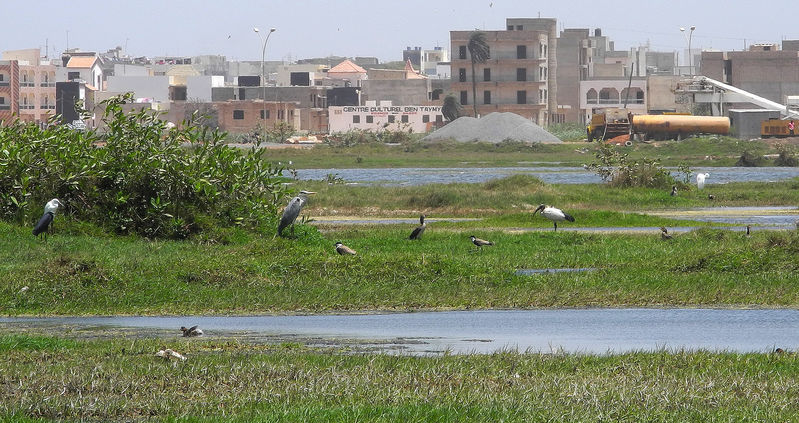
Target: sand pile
x=494 y=127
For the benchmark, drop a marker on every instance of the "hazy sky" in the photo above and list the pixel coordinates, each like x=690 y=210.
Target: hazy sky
x=373 y=27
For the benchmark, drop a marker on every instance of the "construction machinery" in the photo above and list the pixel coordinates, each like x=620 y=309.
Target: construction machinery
x=779 y=128
x=608 y=124
x=665 y=127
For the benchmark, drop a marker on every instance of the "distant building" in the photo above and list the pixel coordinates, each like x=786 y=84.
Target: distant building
x=37 y=94
x=348 y=72
x=374 y=117
x=764 y=70
x=414 y=55
x=9 y=90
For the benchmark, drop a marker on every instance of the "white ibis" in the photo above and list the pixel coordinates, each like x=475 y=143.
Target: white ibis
x=554 y=214
x=293 y=210
x=700 y=179
x=46 y=220
x=344 y=250
x=192 y=331
x=419 y=230
x=664 y=234
x=479 y=243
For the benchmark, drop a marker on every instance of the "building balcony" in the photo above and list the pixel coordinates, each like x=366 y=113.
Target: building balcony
x=26 y=106
x=47 y=84
x=5 y=107
x=5 y=84
x=27 y=84
x=46 y=107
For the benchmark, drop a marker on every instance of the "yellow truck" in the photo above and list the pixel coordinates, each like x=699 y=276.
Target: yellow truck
x=608 y=124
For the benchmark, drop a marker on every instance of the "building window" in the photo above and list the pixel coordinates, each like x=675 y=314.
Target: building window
x=439 y=118
x=370 y=119
x=521 y=74
x=238 y=114
x=264 y=116
x=404 y=119
x=521 y=97
x=518 y=27
x=510 y=27
x=425 y=118
x=521 y=52
x=462 y=75
x=391 y=118
x=462 y=52
x=280 y=114
x=356 y=118
x=464 y=98
x=73 y=75
x=486 y=97
x=487 y=74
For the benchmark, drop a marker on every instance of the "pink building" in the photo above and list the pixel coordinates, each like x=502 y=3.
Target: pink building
x=36 y=85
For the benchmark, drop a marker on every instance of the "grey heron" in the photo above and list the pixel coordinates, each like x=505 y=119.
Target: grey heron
x=46 y=220
x=192 y=331
x=664 y=234
x=700 y=179
x=419 y=230
x=344 y=250
x=293 y=210
x=479 y=243
x=554 y=214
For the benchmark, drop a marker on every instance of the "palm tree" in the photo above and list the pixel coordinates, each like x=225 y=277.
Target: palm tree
x=451 y=109
x=478 y=49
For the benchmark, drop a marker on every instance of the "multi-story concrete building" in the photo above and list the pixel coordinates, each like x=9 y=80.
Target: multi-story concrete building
x=9 y=90
x=516 y=78
x=36 y=84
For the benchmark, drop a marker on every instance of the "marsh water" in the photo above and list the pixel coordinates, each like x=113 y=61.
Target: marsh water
x=593 y=331
x=554 y=174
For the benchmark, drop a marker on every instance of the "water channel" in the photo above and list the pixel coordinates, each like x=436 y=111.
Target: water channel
x=554 y=175
x=581 y=331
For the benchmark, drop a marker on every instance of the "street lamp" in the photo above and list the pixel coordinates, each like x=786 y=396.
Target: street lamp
x=690 y=54
x=263 y=71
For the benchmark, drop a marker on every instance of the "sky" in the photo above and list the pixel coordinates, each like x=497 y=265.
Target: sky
x=316 y=28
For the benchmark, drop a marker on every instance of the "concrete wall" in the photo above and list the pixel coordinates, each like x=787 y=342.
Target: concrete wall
x=131 y=70
x=399 y=92
x=746 y=124
x=660 y=94
x=346 y=118
x=198 y=88
x=573 y=53
x=155 y=87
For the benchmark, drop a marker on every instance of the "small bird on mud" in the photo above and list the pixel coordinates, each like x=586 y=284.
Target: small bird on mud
x=479 y=243
x=674 y=191
x=554 y=214
x=419 y=230
x=293 y=210
x=45 y=222
x=192 y=331
x=664 y=234
x=344 y=250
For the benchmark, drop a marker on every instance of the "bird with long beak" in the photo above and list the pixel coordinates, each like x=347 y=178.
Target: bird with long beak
x=344 y=250
x=554 y=214
x=664 y=234
x=419 y=230
x=45 y=222
x=479 y=243
x=293 y=210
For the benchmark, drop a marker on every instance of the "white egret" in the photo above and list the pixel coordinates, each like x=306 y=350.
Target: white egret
x=46 y=220
x=554 y=214
x=700 y=179
x=293 y=210
x=192 y=331
x=344 y=250
x=417 y=233
x=479 y=243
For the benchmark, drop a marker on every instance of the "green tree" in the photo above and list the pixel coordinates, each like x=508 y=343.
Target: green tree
x=479 y=52
x=451 y=109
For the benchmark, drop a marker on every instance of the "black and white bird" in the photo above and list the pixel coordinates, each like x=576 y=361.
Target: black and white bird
x=46 y=221
x=419 y=230
x=293 y=210
x=344 y=250
x=192 y=331
x=479 y=243
x=553 y=214
x=674 y=191
x=664 y=234
x=711 y=197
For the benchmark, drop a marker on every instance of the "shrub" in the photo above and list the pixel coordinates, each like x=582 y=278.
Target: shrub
x=136 y=177
x=614 y=168
x=750 y=159
x=787 y=157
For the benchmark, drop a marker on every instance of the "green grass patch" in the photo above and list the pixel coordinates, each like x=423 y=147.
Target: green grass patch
x=34 y=343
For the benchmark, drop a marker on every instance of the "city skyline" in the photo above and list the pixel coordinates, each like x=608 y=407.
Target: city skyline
x=308 y=29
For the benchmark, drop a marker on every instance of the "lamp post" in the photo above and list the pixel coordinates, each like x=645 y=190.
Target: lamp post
x=263 y=71
x=690 y=54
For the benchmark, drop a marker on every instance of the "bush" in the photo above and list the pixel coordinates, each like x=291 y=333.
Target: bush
x=750 y=159
x=787 y=157
x=136 y=177
x=614 y=168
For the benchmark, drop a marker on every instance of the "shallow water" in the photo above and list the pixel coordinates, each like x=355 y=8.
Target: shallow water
x=596 y=331
x=552 y=175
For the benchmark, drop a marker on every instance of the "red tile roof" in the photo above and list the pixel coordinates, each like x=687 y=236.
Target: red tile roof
x=346 y=67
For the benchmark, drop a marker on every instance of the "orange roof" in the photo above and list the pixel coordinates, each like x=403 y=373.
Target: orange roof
x=346 y=67
x=410 y=73
x=81 y=61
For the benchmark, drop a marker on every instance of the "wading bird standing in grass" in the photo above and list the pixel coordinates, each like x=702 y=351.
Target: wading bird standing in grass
x=700 y=179
x=293 y=210
x=553 y=214
x=45 y=222
x=664 y=234
x=344 y=250
x=192 y=331
x=480 y=242
x=748 y=229
x=674 y=191
x=417 y=233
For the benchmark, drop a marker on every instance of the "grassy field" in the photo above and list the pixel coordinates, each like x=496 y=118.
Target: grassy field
x=121 y=380
x=705 y=151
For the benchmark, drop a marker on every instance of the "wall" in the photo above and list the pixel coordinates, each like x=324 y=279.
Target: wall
x=660 y=94
x=399 y=92
x=155 y=87
x=746 y=124
x=343 y=119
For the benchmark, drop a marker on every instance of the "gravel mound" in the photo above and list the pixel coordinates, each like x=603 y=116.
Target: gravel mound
x=494 y=127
